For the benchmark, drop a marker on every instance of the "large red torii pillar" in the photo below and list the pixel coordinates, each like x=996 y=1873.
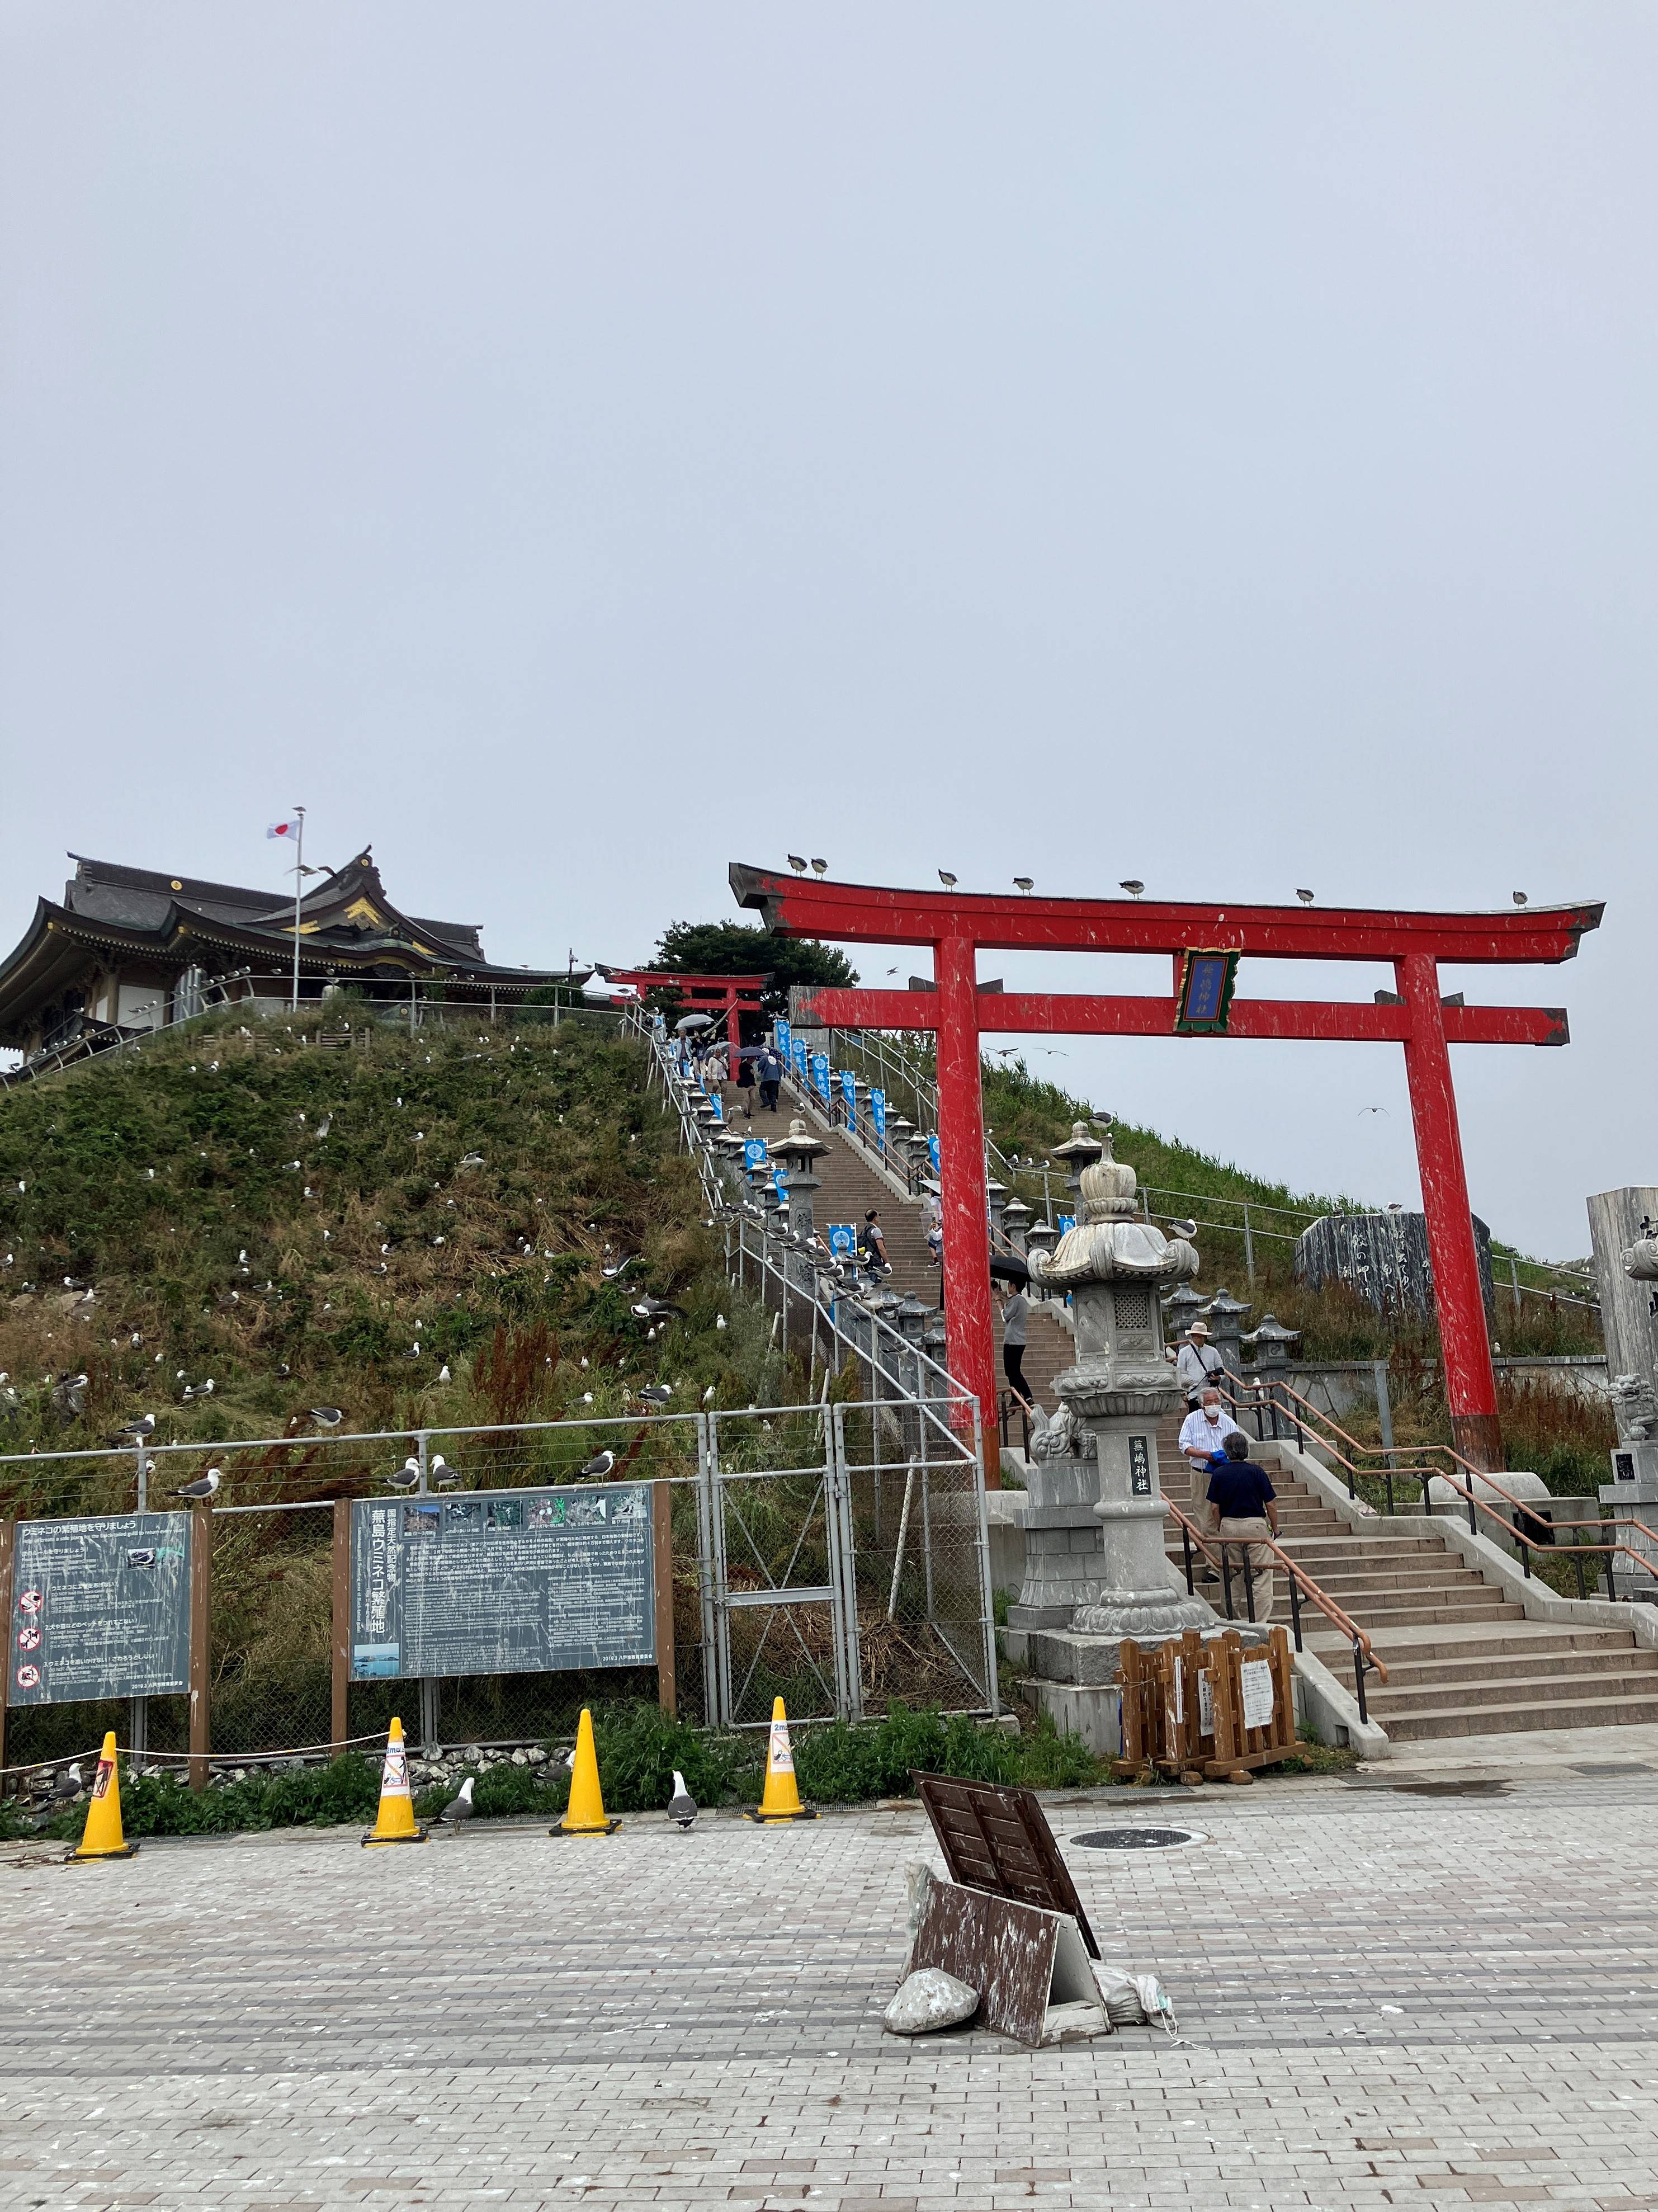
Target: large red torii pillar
x=735 y=994
x=957 y=925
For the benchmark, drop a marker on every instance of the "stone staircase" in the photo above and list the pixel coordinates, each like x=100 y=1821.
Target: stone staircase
x=1461 y=1657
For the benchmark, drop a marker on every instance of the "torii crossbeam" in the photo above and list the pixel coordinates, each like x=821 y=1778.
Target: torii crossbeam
x=957 y=925
x=731 y=994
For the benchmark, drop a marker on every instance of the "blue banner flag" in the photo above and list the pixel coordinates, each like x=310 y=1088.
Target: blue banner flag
x=849 y=1093
x=820 y=1074
x=718 y=1105
x=842 y=1240
x=1067 y=1221
x=932 y=1151
x=754 y=1151
x=878 y=1115
x=800 y=1059
x=783 y=1034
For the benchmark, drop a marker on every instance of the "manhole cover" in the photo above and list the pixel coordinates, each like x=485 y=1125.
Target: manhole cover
x=1452 y=1789
x=1611 y=1767
x=1136 y=1839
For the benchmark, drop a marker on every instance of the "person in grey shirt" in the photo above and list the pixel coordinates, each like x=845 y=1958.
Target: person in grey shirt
x=1015 y=1312
x=1198 y=1365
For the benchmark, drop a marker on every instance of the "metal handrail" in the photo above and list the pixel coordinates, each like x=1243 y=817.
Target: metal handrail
x=1310 y=1416
x=1301 y=1587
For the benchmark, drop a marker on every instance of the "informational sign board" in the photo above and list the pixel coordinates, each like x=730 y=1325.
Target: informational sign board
x=1203 y=999
x=99 y=1608
x=1140 y=1467
x=503 y=1581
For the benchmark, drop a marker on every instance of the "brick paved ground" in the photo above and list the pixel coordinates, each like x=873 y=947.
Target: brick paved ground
x=1385 y=1998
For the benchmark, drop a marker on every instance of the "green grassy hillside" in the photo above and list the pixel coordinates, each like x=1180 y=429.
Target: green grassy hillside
x=304 y=1227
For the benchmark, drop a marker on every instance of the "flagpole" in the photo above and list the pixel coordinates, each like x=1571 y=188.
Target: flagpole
x=299 y=893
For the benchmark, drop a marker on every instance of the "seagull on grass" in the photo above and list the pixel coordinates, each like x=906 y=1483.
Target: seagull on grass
x=458 y=1809
x=139 y=1429
x=682 y=1806
x=649 y=1309
x=327 y=1417
x=615 y=1267
x=656 y=1394
x=205 y=1484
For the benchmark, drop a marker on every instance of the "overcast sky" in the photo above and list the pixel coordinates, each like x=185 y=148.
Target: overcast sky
x=574 y=447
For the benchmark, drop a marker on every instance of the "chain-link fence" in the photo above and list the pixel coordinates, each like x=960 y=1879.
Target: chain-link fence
x=830 y=1553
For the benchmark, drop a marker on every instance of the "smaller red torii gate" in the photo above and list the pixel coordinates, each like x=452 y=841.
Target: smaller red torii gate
x=957 y=925
x=733 y=994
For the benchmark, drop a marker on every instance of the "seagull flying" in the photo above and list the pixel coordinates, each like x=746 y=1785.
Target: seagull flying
x=682 y=1806
x=797 y=864
x=406 y=1476
x=1364 y=1110
x=458 y=1809
x=205 y=1484
x=600 y=1464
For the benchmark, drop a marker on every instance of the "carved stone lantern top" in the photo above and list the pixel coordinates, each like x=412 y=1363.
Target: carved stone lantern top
x=799 y=1148
x=1110 y=1242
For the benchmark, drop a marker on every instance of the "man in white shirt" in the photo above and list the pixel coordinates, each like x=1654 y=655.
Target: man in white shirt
x=1198 y=1365
x=1206 y=1429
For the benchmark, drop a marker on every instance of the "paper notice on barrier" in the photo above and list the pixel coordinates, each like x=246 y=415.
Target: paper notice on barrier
x=1257 y=1675
x=1206 y=1705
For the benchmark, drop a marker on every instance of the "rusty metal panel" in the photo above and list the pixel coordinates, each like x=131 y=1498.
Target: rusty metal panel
x=1005 y=1951
x=997 y=1839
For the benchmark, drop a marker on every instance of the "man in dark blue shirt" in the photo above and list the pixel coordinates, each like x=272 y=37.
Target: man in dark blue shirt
x=1242 y=1510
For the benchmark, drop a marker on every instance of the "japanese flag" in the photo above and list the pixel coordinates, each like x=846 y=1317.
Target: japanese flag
x=288 y=828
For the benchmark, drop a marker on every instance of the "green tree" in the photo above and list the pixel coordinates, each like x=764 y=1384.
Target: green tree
x=728 y=948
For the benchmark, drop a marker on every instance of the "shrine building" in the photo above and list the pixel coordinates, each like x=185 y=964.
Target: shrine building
x=127 y=950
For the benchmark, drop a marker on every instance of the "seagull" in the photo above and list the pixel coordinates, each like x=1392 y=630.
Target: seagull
x=443 y=1475
x=658 y=1393
x=797 y=864
x=406 y=1476
x=66 y=1783
x=1306 y=898
x=472 y=1160
x=616 y=1268
x=946 y=880
x=458 y=1809
x=1519 y=898
x=682 y=1806
x=649 y=1309
x=204 y=1487
x=327 y=1417
x=139 y=1428
x=1132 y=885
x=324 y=1124
x=1183 y=1228
x=443 y=1372
x=708 y=1395
x=1364 y=1110
x=820 y=867
x=719 y=1321
x=600 y=1464
x=1024 y=882
x=1103 y=1120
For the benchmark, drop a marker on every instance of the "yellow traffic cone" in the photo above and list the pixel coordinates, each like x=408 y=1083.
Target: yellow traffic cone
x=396 y=1821
x=782 y=1799
x=584 y=1814
x=101 y=1837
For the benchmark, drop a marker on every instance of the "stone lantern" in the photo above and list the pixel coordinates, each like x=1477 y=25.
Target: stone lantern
x=1078 y=1152
x=1181 y=1308
x=997 y=1193
x=800 y=1152
x=1114 y=1263
x=1271 y=1344
x=1015 y=1221
x=1039 y=1242
x=1225 y=1319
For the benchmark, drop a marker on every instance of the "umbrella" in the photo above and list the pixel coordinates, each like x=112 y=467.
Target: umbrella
x=692 y=1022
x=1008 y=1267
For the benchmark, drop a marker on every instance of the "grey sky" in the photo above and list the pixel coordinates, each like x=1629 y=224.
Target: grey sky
x=573 y=448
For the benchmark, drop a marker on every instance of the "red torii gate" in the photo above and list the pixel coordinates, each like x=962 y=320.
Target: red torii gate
x=957 y=926
x=734 y=994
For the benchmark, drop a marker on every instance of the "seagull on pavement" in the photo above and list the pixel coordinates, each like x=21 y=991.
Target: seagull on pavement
x=458 y=1809
x=205 y=1484
x=682 y=1806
